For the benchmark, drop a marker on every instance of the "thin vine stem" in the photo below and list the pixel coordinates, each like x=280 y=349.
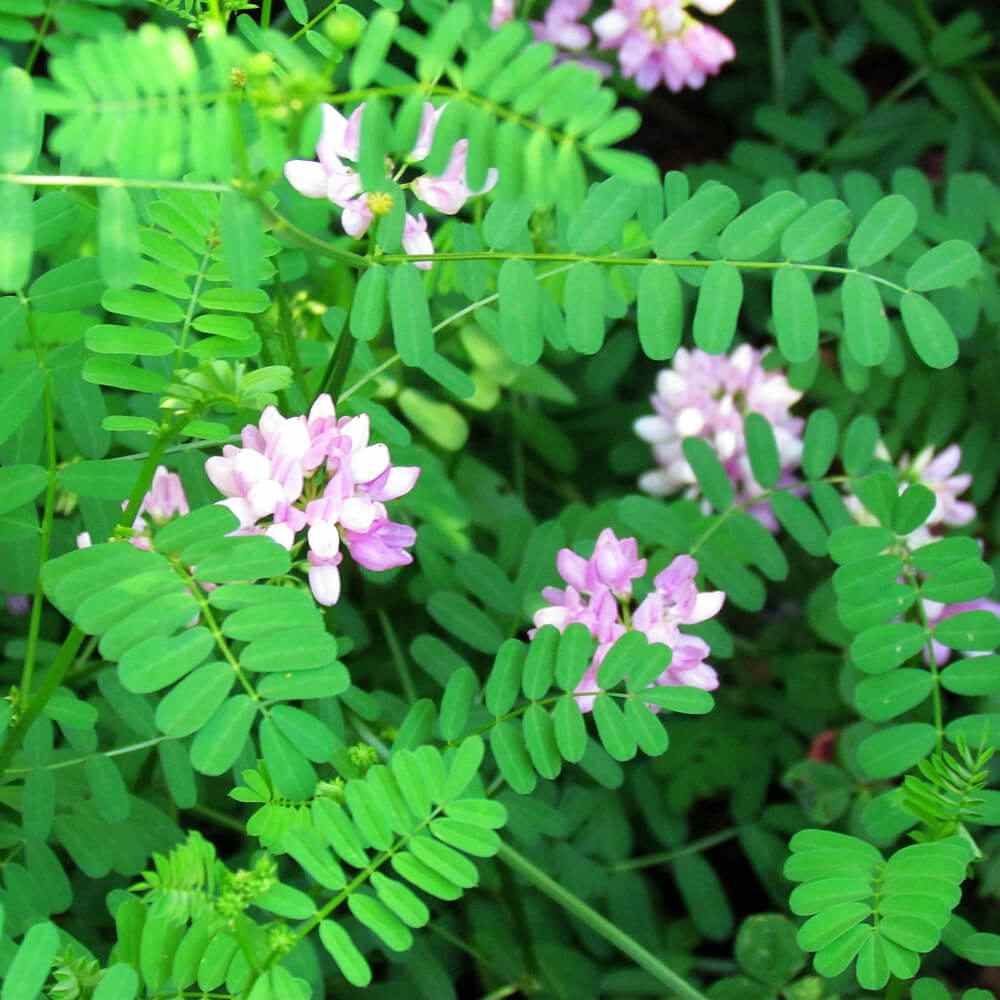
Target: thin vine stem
x=38 y=600
x=398 y=657
x=213 y=627
x=70 y=180
x=312 y=22
x=937 y=702
x=664 y=857
x=588 y=916
x=116 y=752
x=776 y=50
x=40 y=37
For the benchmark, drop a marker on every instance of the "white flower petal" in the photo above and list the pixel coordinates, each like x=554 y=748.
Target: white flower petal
x=307 y=177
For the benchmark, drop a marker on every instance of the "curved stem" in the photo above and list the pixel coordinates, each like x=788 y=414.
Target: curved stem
x=576 y=907
x=663 y=857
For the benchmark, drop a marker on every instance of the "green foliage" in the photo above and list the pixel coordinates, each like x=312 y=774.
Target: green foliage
x=163 y=284
x=884 y=913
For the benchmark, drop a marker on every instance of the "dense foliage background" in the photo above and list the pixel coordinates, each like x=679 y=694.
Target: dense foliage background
x=300 y=764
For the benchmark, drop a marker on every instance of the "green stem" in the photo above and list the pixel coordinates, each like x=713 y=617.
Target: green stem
x=921 y=612
x=39 y=38
x=398 y=657
x=221 y=819
x=336 y=371
x=65 y=658
x=776 y=50
x=117 y=752
x=504 y=991
x=576 y=907
x=212 y=625
x=313 y=21
x=695 y=847
x=35 y=623
x=71 y=180
x=265 y=14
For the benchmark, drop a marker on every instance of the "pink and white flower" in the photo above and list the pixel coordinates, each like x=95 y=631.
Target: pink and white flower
x=708 y=396
x=561 y=26
x=598 y=595
x=321 y=474
x=164 y=500
x=334 y=176
x=658 y=41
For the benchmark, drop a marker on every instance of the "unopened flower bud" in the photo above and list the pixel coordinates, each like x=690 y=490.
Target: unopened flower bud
x=238 y=77
x=344 y=27
x=379 y=203
x=260 y=63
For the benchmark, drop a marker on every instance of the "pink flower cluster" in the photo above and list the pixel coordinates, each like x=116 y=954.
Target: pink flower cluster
x=598 y=594
x=657 y=40
x=335 y=178
x=319 y=474
x=164 y=500
x=708 y=396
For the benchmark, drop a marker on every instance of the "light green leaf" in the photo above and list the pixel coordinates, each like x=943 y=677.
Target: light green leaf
x=929 y=332
x=660 y=312
x=888 y=222
x=718 y=309
x=822 y=227
x=117 y=238
x=796 y=318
